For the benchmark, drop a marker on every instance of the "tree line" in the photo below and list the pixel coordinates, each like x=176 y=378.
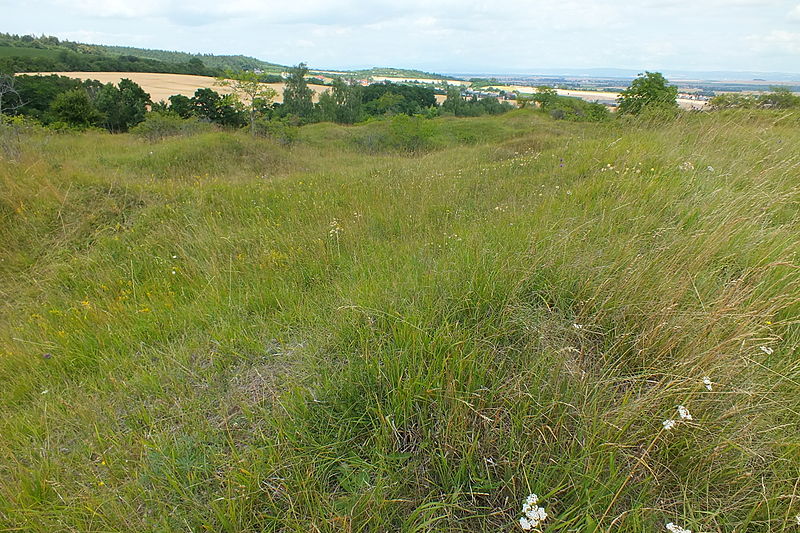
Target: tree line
x=63 y=102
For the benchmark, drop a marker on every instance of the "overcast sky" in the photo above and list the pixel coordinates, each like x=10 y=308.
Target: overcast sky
x=444 y=36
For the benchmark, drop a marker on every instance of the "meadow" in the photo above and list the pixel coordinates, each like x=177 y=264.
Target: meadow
x=404 y=326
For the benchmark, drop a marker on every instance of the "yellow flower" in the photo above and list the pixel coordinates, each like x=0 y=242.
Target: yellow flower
x=86 y=304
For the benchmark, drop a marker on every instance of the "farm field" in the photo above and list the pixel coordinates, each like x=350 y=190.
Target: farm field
x=162 y=86
x=404 y=325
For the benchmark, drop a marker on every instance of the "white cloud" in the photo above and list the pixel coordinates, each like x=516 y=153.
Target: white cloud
x=447 y=35
x=780 y=41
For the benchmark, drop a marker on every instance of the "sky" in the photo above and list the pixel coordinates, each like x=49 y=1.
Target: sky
x=446 y=36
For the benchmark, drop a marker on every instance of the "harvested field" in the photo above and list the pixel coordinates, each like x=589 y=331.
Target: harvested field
x=162 y=86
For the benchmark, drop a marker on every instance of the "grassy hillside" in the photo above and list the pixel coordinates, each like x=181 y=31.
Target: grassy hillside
x=11 y=51
x=233 y=62
x=219 y=333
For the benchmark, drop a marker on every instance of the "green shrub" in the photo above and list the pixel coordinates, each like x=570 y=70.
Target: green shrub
x=157 y=126
x=283 y=131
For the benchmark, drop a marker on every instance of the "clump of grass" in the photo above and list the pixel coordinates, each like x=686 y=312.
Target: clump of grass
x=232 y=335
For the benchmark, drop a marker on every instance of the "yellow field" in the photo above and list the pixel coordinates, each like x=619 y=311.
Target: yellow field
x=162 y=86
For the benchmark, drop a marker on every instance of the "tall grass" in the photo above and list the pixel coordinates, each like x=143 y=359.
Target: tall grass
x=223 y=333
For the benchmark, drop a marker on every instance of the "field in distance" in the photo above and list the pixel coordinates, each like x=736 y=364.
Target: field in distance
x=162 y=86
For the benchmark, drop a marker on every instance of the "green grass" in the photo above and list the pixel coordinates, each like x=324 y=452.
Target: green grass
x=220 y=333
x=19 y=51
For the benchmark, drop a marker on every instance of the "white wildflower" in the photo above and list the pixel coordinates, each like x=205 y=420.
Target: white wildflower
x=336 y=229
x=707 y=382
x=686 y=165
x=668 y=424
x=767 y=350
x=673 y=528
x=710 y=168
x=684 y=413
x=533 y=515
x=798 y=519
x=577 y=326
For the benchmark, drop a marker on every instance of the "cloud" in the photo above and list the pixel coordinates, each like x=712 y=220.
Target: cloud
x=794 y=14
x=781 y=41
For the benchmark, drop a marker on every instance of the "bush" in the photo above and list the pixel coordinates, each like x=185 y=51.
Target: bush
x=11 y=130
x=283 y=131
x=400 y=133
x=157 y=126
x=575 y=109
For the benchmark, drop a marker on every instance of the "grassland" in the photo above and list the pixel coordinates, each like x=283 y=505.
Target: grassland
x=220 y=333
x=7 y=51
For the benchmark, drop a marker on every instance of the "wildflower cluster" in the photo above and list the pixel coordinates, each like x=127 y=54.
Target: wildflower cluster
x=673 y=528
x=686 y=166
x=707 y=383
x=335 y=228
x=683 y=413
x=635 y=169
x=532 y=514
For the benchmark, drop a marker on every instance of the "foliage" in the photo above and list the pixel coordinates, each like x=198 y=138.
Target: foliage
x=456 y=104
x=545 y=96
x=223 y=110
x=38 y=92
x=284 y=130
x=297 y=96
x=779 y=98
x=122 y=106
x=650 y=89
x=75 y=109
x=10 y=99
x=41 y=54
x=399 y=133
x=480 y=83
x=392 y=98
x=257 y=96
x=342 y=103
x=181 y=105
x=157 y=126
x=575 y=109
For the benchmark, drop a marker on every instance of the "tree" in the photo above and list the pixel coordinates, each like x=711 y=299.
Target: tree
x=454 y=103
x=648 y=90
x=206 y=102
x=780 y=98
x=522 y=101
x=74 y=108
x=210 y=105
x=181 y=105
x=9 y=96
x=196 y=66
x=545 y=96
x=123 y=106
x=297 y=96
x=257 y=95
x=347 y=96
